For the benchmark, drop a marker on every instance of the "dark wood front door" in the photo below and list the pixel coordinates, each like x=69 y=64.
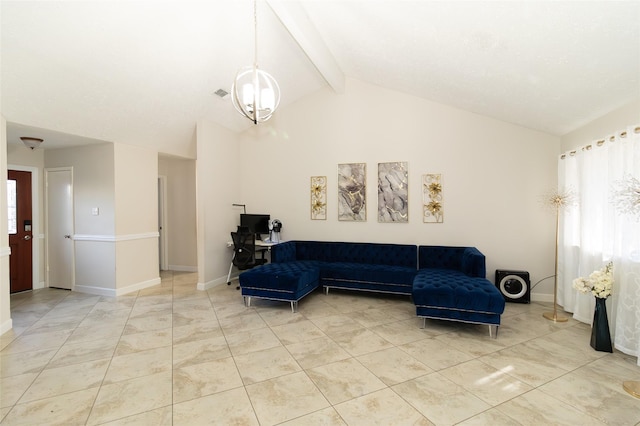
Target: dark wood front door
x=20 y=231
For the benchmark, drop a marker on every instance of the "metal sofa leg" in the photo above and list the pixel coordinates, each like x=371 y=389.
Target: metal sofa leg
x=424 y=323
x=294 y=306
x=247 y=301
x=493 y=331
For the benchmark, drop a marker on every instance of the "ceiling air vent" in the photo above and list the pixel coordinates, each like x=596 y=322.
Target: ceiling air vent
x=222 y=93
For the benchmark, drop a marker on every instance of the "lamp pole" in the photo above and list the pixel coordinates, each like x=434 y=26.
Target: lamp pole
x=553 y=316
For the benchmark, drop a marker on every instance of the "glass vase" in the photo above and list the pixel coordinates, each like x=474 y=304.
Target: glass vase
x=600 y=336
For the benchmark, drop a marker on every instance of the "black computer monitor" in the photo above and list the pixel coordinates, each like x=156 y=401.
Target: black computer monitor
x=257 y=223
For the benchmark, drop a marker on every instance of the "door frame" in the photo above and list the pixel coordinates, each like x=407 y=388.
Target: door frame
x=46 y=220
x=163 y=223
x=35 y=223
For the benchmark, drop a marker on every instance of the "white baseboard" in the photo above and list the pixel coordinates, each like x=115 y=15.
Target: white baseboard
x=6 y=326
x=138 y=286
x=213 y=283
x=114 y=292
x=39 y=285
x=183 y=268
x=538 y=297
x=583 y=319
x=97 y=291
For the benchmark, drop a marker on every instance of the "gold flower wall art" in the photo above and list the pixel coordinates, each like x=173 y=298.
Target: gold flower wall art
x=432 y=209
x=318 y=197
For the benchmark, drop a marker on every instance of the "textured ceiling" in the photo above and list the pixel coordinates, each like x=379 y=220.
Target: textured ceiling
x=144 y=72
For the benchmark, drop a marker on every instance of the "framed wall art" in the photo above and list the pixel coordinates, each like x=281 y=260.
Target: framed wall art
x=393 y=192
x=432 y=208
x=318 y=197
x=352 y=192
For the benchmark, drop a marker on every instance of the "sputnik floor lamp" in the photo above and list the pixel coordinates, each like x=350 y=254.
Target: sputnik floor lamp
x=558 y=200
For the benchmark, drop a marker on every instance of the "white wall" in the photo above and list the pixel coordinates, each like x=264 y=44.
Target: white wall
x=117 y=250
x=20 y=154
x=218 y=176
x=495 y=174
x=93 y=186
x=136 y=217
x=136 y=193
x=628 y=115
x=180 y=212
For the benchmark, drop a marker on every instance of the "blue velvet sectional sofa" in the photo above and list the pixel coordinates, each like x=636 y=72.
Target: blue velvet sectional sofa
x=445 y=283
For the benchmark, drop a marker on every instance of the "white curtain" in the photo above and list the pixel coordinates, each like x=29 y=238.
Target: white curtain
x=593 y=232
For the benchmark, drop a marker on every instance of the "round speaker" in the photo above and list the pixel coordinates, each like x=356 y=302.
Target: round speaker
x=514 y=285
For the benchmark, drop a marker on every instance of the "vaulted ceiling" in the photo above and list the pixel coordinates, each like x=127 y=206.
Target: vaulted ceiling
x=144 y=72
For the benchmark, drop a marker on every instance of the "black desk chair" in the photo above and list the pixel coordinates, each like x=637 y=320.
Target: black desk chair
x=244 y=252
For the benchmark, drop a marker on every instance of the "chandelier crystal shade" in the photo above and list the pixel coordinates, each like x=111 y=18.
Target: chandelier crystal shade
x=255 y=93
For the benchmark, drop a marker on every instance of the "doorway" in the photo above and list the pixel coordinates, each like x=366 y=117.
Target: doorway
x=20 y=230
x=59 y=217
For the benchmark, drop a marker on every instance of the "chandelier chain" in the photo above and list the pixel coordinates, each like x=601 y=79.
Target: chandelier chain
x=255 y=33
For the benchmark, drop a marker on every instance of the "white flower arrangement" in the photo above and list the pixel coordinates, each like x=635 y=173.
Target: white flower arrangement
x=599 y=282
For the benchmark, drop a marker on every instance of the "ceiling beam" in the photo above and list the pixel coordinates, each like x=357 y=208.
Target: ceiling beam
x=297 y=22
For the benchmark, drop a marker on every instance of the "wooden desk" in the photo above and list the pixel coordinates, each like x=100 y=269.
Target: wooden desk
x=259 y=243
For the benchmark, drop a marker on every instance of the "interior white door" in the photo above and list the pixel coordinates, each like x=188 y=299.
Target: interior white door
x=60 y=250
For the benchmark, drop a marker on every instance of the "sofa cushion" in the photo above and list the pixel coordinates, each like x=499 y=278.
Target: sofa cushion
x=359 y=276
x=455 y=290
x=473 y=263
x=367 y=273
x=469 y=260
x=360 y=253
x=283 y=252
x=285 y=277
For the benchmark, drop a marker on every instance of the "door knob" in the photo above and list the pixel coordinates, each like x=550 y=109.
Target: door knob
x=26 y=237
x=68 y=236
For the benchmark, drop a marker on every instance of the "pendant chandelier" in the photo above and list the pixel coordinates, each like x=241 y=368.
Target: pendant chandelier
x=30 y=142
x=255 y=93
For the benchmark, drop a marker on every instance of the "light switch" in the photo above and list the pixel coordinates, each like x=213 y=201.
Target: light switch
x=95 y=211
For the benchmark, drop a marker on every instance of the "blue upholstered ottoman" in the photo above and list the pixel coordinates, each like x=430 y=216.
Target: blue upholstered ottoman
x=289 y=281
x=451 y=295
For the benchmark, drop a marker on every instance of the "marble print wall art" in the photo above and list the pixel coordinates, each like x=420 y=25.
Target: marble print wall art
x=432 y=209
x=352 y=192
x=318 y=197
x=393 y=192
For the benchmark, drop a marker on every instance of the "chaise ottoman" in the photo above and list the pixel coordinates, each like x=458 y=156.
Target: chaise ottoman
x=451 y=295
x=290 y=282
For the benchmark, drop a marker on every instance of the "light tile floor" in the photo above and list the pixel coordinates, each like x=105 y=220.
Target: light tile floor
x=174 y=355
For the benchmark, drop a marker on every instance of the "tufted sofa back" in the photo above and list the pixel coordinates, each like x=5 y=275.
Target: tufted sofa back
x=466 y=259
x=283 y=252
x=327 y=251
